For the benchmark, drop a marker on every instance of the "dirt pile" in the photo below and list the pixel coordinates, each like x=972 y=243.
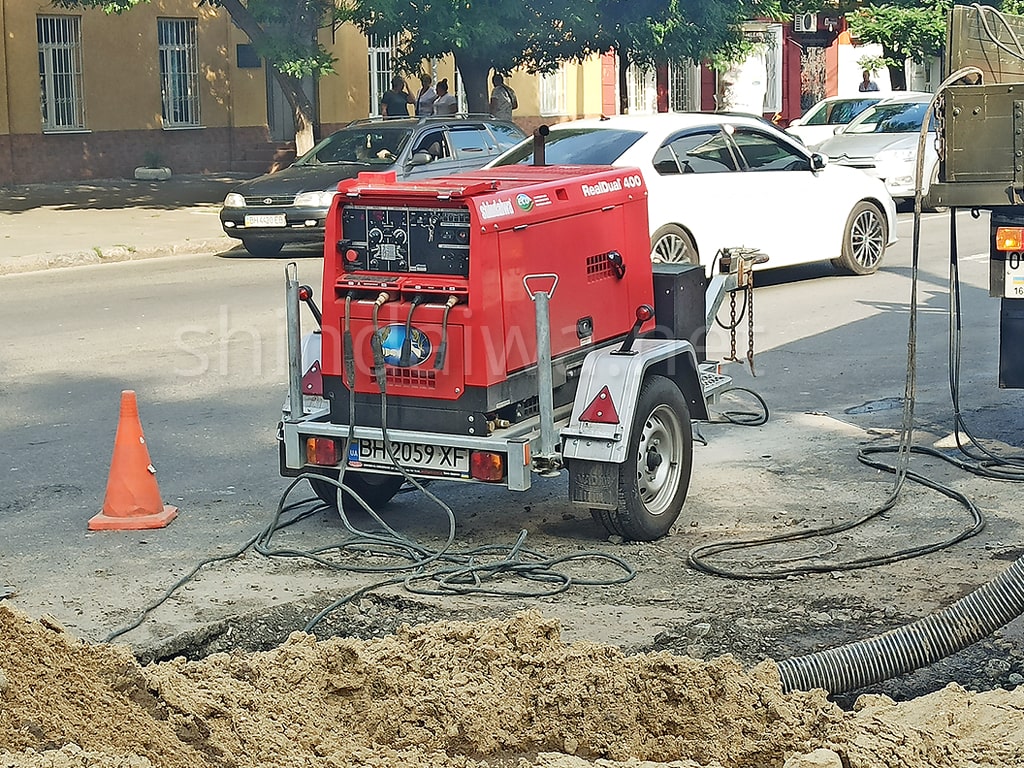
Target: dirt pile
x=507 y=693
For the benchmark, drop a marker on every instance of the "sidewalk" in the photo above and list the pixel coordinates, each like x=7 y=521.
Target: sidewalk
x=63 y=224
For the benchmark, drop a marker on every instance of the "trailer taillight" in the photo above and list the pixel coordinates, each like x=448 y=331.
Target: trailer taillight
x=1009 y=238
x=322 y=451
x=487 y=466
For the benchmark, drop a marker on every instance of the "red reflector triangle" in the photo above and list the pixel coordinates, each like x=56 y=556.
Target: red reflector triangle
x=313 y=381
x=601 y=409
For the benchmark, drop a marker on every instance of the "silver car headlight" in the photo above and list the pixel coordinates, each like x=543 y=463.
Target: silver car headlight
x=315 y=199
x=234 y=200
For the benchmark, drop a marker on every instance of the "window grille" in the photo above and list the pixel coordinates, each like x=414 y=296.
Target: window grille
x=552 y=93
x=60 y=72
x=382 y=68
x=684 y=86
x=179 y=72
x=643 y=90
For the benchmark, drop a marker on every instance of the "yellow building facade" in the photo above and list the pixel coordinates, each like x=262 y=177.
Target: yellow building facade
x=88 y=95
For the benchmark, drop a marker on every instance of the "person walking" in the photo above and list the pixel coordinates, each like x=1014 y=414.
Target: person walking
x=445 y=104
x=426 y=97
x=396 y=100
x=503 y=99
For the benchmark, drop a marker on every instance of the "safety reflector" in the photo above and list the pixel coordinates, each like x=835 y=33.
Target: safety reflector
x=1009 y=238
x=601 y=409
x=486 y=466
x=321 y=451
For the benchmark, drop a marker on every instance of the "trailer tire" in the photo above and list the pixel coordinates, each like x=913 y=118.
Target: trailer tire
x=864 y=240
x=376 y=490
x=654 y=478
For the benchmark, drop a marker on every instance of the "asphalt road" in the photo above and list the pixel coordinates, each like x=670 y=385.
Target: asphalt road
x=200 y=338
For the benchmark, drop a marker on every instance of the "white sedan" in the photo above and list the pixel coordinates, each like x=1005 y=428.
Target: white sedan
x=728 y=181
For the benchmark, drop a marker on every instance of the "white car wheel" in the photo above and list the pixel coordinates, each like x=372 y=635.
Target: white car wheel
x=864 y=240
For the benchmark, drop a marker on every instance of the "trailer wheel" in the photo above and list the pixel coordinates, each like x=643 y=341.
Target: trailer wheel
x=864 y=240
x=376 y=490
x=655 y=476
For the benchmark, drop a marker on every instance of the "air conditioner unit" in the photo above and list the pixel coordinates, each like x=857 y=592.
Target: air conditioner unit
x=805 y=22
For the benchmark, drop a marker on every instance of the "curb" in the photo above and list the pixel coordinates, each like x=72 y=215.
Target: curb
x=117 y=253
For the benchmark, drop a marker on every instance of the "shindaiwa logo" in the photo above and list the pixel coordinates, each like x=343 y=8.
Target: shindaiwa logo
x=496 y=208
x=524 y=201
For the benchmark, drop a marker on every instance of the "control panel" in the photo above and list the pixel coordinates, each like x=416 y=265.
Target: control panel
x=398 y=239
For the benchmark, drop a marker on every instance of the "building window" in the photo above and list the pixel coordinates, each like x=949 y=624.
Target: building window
x=552 y=93
x=60 y=72
x=382 y=67
x=179 y=72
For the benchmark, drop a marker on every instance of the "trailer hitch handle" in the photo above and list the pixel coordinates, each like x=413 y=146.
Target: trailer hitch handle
x=545 y=387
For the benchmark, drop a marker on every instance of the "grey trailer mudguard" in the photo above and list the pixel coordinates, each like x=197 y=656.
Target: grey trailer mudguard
x=623 y=375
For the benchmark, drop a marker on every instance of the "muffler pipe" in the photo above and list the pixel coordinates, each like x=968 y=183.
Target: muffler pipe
x=538 y=144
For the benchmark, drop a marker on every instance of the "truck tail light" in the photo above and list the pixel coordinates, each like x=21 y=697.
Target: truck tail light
x=486 y=466
x=601 y=408
x=321 y=451
x=1009 y=238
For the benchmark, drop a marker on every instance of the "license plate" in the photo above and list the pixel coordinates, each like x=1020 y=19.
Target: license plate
x=441 y=460
x=1014 y=277
x=265 y=220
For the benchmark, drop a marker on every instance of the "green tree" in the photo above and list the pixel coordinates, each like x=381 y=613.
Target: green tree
x=646 y=32
x=537 y=34
x=282 y=31
x=906 y=30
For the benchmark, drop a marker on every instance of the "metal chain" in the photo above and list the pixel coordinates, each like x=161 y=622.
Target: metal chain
x=732 y=325
x=750 y=322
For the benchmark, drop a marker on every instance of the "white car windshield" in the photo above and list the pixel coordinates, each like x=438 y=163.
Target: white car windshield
x=577 y=146
x=901 y=117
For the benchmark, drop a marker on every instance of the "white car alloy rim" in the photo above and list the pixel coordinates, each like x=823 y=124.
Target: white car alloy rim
x=672 y=249
x=867 y=239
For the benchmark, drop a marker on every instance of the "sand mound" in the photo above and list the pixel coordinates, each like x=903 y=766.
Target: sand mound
x=507 y=693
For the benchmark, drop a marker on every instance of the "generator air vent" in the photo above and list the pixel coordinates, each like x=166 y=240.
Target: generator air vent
x=599 y=267
x=410 y=378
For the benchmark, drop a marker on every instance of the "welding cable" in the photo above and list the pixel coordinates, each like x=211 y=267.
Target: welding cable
x=903 y=450
x=348 y=347
x=442 y=348
x=987 y=464
x=376 y=344
x=746 y=418
x=405 y=357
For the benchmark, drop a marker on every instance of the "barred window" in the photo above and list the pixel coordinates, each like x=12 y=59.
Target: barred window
x=381 y=66
x=61 y=97
x=683 y=86
x=179 y=72
x=552 y=93
x=642 y=89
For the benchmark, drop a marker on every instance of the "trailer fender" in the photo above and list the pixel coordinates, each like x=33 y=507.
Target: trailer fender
x=608 y=391
x=312 y=377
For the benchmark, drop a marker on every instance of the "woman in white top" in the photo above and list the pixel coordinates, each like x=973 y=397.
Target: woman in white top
x=445 y=104
x=426 y=97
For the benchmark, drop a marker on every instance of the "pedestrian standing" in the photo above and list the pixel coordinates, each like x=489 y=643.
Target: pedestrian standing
x=866 y=83
x=396 y=100
x=445 y=104
x=503 y=99
x=426 y=97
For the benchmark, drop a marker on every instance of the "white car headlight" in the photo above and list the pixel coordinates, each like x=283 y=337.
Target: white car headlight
x=315 y=199
x=234 y=200
x=896 y=156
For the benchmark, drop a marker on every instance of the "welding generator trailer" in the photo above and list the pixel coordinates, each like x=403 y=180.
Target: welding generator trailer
x=494 y=325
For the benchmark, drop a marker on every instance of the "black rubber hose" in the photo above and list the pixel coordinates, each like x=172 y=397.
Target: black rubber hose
x=865 y=662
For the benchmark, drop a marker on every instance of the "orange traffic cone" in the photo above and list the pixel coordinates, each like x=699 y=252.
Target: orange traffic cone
x=133 y=500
